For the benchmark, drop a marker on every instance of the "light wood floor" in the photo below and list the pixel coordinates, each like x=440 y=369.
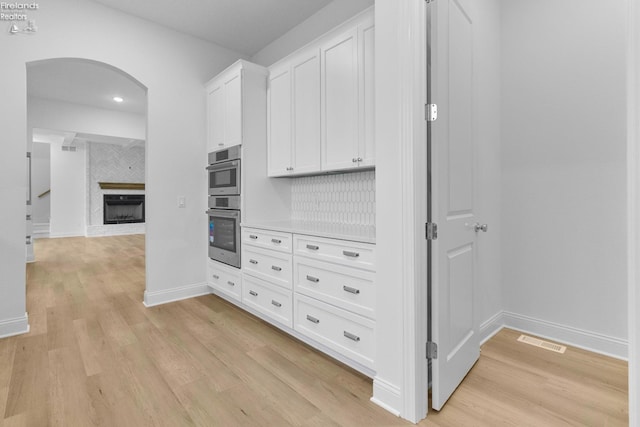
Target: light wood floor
x=96 y=356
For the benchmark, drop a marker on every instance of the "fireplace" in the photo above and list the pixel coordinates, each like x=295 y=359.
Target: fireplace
x=123 y=208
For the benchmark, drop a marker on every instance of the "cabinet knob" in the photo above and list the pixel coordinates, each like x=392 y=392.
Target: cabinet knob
x=255 y=294
x=221 y=144
x=359 y=159
x=230 y=283
x=354 y=160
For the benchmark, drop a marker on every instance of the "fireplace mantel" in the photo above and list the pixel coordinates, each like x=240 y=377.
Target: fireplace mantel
x=121 y=185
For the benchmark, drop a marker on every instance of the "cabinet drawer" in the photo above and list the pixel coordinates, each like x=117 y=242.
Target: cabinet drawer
x=273 y=266
x=353 y=254
x=267 y=239
x=347 y=333
x=268 y=299
x=225 y=279
x=348 y=288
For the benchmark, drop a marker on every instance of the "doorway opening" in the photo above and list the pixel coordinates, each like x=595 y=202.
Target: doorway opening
x=86 y=125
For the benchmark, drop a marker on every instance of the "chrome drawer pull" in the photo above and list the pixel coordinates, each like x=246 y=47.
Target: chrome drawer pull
x=313 y=247
x=276 y=268
x=351 y=336
x=351 y=254
x=253 y=261
x=313 y=279
x=313 y=319
x=276 y=303
x=231 y=283
x=215 y=276
x=278 y=241
x=351 y=290
x=255 y=294
x=253 y=236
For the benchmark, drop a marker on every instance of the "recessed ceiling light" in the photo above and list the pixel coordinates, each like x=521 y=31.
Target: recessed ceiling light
x=118 y=99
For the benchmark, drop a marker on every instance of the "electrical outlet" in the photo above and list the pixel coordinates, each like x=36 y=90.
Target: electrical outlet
x=182 y=202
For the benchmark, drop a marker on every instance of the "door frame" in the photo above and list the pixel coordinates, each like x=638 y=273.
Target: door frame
x=633 y=205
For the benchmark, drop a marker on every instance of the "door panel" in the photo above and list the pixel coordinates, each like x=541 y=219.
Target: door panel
x=454 y=327
x=279 y=122
x=233 y=109
x=366 y=46
x=306 y=112
x=340 y=103
x=215 y=99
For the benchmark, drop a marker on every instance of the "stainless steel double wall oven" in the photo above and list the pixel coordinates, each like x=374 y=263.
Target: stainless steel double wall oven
x=224 y=205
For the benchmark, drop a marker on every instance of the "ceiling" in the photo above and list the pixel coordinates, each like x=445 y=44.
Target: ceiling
x=245 y=26
x=52 y=136
x=86 y=83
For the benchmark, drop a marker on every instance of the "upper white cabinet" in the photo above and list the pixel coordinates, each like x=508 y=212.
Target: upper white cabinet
x=294 y=115
x=321 y=104
x=348 y=99
x=225 y=94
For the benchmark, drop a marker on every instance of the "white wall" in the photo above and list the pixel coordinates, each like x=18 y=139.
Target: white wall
x=68 y=117
x=68 y=190
x=174 y=68
x=40 y=182
x=486 y=98
x=564 y=183
x=313 y=27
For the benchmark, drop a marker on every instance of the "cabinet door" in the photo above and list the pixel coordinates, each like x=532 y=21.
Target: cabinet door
x=215 y=119
x=279 y=122
x=305 y=73
x=366 y=146
x=340 y=102
x=233 y=108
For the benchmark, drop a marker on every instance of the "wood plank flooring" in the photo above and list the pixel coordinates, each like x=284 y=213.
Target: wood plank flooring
x=96 y=356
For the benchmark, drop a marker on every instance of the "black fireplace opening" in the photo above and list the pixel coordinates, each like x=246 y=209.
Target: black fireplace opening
x=123 y=208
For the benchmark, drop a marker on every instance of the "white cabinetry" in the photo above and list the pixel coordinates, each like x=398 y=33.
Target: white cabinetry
x=225 y=104
x=321 y=104
x=224 y=280
x=334 y=295
x=267 y=273
x=294 y=115
x=347 y=99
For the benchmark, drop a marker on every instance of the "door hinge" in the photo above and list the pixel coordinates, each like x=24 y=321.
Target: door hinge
x=431 y=231
x=432 y=350
x=431 y=112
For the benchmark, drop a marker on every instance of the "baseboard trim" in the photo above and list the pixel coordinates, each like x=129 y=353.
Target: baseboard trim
x=166 y=296
x=491 y=326
x=580 y=338
x=63 y=235
x=17 y=326
x=387 y=396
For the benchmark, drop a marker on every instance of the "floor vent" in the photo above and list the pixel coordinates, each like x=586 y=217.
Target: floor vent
x=542 y=344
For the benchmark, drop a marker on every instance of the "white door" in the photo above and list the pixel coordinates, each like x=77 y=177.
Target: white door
x=340 y=102
x=453 y=319
x=279 y=122
x=366 y=80
x=233 y=109
x=305 y=75
x=215 y=107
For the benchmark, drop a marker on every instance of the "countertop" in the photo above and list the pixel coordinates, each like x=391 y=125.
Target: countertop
x=356 y=233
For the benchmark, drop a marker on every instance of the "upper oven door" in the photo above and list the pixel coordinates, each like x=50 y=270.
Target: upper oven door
x=224 y=178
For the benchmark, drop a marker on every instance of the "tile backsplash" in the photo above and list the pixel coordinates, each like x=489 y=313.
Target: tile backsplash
x=347 y=198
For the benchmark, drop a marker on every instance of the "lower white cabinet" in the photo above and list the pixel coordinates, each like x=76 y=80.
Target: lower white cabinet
x=270 y=300
x=341 y=286
x=225 y=279
x=342 y=331
x=319 y=289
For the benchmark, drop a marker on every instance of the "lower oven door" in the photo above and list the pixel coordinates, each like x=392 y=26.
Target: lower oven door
x=224 y=236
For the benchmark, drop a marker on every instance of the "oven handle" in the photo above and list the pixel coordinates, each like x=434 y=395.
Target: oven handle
x=224 y=165
x=227 y=213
